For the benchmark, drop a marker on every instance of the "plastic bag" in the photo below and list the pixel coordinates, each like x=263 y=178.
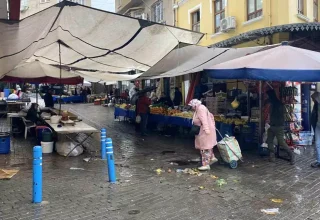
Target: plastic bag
x=138 y=119
x=265 y=135
x=64 y=147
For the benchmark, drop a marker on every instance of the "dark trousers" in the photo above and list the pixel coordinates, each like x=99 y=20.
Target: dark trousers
x=277 y=132
x=143 y=123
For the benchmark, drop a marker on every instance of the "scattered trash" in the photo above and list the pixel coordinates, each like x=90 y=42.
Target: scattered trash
x=175 y=164
x=236 y=181
x=192 y=172
x=7 y=174
x=201 y=187
x=134 y=212
x=86 y=159
x=221 y=182
x=169 y=170
x=196 y=160
x=270 y=211
x=277 y=200
x=159 y=171
x=151 y=159
x=179 y=170
x=297 y=151
x=44 y=203
x=76 y=168
x=214 y=177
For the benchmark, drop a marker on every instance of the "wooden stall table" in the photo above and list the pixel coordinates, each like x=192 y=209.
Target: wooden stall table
x=73 y=131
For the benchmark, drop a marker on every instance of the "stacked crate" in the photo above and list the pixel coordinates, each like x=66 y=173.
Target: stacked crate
x=216 y=105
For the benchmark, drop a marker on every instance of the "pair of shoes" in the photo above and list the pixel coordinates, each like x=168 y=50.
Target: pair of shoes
x=315 y=164
x=292 y=158
x=213 y=160
x=204 y=168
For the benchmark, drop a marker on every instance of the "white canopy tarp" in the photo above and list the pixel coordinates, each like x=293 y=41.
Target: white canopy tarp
x=89 y=38
x=192 y=58
x=37 y=72
x=106 y=77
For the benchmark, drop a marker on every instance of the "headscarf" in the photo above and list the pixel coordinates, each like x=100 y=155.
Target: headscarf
x=194 y=103
x=316 y=96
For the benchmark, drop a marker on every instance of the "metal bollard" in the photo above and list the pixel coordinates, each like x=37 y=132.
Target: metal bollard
x=103 y=143
x=110 y=159
x=37 y=175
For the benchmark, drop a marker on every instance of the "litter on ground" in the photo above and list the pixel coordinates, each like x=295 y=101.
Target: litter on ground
x=273 y=211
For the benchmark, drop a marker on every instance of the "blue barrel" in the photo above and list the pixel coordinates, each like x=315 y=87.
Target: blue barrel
x=6 y=92
x=4 y=143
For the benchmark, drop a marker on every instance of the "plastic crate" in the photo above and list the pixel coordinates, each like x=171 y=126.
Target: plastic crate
x=4 y=143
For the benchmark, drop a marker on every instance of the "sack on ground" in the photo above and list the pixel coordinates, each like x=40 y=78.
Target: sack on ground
x=64 y=147
x=229 y=149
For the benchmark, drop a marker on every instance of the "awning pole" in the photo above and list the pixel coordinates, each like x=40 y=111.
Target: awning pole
x=60 y=77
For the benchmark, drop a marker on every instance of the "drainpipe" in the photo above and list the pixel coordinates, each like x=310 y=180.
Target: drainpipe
x=14 y=10
x=175 y=14
x=270 y=15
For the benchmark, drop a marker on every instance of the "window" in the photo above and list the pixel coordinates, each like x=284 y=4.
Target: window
x=301 y=7
x=157 y=11
x=254 y=9
x=315 y=10
x=219 y=14
x=195 y=16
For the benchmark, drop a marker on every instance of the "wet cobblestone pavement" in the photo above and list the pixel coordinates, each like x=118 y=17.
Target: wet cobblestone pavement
x=142 y=194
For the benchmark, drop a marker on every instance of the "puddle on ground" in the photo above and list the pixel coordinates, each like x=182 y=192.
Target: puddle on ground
x=183 y=162
x=168 y=152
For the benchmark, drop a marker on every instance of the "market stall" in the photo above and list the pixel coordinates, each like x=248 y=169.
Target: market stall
x=273 y=68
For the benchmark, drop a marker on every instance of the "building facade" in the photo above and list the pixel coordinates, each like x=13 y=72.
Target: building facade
x=30 y=7
x=221 y=20
x=160 y=11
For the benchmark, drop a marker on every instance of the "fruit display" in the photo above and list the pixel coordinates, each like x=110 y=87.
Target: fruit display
x=235 y=121
x=172 y=112
x=158 y=110
x=184 y=114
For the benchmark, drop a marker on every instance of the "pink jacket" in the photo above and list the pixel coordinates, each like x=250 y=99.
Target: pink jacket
x=207 y=138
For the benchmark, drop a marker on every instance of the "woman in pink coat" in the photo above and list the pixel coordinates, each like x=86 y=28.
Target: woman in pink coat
x=207 y=138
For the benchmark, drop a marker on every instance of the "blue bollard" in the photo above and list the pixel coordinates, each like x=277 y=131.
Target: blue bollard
x=103 y=143
x=37 y=174
x=110 y=159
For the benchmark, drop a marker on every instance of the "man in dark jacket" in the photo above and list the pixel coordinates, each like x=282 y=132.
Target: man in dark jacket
x=48 y=99
x=277 y=110
x=143 y=110
x=177 y=100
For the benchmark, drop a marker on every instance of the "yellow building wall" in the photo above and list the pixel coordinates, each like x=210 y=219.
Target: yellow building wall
x=275 y=12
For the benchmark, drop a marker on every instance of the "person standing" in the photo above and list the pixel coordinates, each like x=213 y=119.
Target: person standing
x=277 y=111
x=143 y=110
x=177 y=100
x=316 y=126
x=48 y=99
x=207 y=138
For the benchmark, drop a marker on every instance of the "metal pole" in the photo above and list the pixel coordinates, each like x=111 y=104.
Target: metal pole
x=103 y=143
x=37 y=175
x=60 y=77
x=110 y=160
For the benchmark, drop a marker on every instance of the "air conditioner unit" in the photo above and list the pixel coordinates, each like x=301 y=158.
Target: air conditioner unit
x=227 y=24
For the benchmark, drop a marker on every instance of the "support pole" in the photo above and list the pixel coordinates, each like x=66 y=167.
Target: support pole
x=103 y=144
x=110 y=160
x=37 y=175
x=60 y=76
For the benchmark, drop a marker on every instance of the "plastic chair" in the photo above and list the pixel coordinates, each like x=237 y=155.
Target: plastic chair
x=28 y=125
